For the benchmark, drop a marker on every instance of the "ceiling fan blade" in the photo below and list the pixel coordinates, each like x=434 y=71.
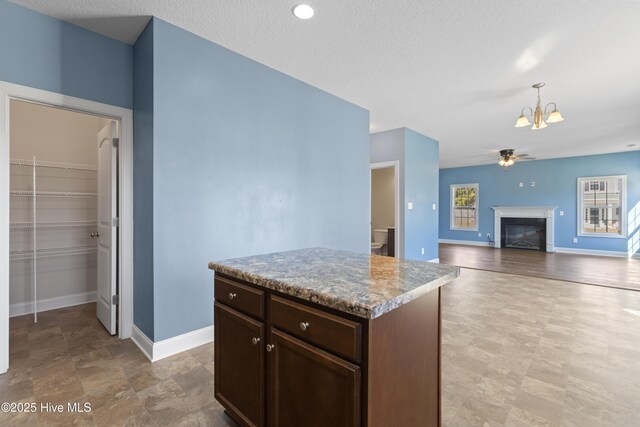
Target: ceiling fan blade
x=526 y=158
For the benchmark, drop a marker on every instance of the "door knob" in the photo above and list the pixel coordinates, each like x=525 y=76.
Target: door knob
x=96 y=234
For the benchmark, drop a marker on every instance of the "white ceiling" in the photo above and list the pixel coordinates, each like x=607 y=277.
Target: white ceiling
x=457 y=70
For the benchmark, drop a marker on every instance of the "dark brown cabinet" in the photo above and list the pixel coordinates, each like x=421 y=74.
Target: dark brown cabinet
x=310 y=387
x=239 y=365
x=284 y=362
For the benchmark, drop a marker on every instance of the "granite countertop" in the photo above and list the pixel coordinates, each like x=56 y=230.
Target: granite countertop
x=361 y=284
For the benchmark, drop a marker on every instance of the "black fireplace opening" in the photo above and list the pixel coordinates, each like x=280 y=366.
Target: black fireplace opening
x=524 y=233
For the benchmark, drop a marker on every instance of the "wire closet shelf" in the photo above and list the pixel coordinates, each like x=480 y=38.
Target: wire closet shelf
x=35 y=253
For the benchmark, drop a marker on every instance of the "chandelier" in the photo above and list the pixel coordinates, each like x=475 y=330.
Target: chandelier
x=540 y=117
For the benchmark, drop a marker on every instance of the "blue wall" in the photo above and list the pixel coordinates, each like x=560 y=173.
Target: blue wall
x=556 y=182
x=421 y=188
x=418 y=158
x=246 y=160
x=143 y=181
x=46 y=53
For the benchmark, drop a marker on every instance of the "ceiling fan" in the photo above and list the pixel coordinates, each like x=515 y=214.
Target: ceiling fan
x=508 y=157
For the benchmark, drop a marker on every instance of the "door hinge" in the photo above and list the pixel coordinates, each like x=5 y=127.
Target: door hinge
x=116 y=142
x=115 y=300
x=116 y=222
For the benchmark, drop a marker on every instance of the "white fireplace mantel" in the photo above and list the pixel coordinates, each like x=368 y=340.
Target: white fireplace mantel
x=547 y=212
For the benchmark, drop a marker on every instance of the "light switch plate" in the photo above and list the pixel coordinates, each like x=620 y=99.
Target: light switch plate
x=434 y=206
x=575 y=240
x=533 y=183
x=422 y=251
x=520 y=184
x=479 y=234
x=561 y=213
x=410 y=205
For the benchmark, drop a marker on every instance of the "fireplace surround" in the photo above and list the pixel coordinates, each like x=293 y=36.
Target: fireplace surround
x=544 y=212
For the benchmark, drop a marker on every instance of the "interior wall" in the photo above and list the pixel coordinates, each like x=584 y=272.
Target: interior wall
x=246 y=160
x=56 y=135
x=45 y=53
x=421 y=189
x=143 y=314
x=555 y=185
x=383 y=188
x=386 y=147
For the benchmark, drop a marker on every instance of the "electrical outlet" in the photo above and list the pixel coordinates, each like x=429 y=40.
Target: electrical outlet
x=479 y=234
x=422 y=251
x=410 y=205
x=575 y=240
x=561 y=213
x=533 y=183
x=488 y=236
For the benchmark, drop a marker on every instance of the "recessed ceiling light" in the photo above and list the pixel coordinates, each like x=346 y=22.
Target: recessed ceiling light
x=303 y=11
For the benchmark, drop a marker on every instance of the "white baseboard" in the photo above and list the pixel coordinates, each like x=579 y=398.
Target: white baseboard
x=592 y=252
x=435 y=260
x=464 y=242
x=165 y=348
x=142 y=341
x=47 y=304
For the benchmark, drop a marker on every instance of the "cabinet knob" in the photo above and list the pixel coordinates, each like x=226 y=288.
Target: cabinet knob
x=270 y=347
x=255 y=341
x=232 y=295
x=304 y=326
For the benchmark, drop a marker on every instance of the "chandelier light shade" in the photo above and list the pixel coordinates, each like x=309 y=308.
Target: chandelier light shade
x=539 y=116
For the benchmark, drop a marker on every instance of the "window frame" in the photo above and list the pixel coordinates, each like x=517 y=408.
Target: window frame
x=452 y=207
x=581 y=208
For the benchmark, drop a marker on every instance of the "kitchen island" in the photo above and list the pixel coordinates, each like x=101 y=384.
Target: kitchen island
x=319 y=337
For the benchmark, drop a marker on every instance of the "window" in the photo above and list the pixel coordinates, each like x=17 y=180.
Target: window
x=464 y=207
x=601 y=206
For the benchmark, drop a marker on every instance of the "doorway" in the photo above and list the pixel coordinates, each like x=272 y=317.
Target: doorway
x=385 y=209
x=67 y=228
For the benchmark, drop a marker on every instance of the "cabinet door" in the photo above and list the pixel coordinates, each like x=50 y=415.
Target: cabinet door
x=310 y=387
x=239 y=365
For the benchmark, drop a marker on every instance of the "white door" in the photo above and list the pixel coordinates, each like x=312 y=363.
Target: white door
x=107 y=243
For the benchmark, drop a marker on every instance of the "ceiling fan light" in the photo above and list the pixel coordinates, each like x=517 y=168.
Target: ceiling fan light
x=501 y=162
x=555 y=117
x=522 y=121
x=510 y=161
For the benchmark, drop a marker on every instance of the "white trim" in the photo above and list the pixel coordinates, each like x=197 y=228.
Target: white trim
x=165 y=348
x=9 y=91
x=395 y=164
x=464 y=242
x=452 y=210
x=435 y=260
x=595 y=252
x=623 y=208
x=143 y=342
x=547 y=212
x=22 y=308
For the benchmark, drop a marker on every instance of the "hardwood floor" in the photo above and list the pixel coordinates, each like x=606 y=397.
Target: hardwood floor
x=623 y=273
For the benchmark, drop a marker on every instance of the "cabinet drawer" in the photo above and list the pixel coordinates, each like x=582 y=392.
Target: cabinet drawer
x=241 y=297
x=338 y=335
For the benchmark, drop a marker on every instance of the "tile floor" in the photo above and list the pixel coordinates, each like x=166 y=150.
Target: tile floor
x=517 y=351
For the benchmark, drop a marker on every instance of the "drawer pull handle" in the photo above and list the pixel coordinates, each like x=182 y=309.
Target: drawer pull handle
x=270 y=347
x=304 y=326
x=255 y=341
x=232 y=295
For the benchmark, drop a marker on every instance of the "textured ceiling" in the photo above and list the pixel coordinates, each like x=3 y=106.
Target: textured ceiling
x=458 y=70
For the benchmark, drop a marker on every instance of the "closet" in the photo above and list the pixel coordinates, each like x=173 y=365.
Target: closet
x=53 y=207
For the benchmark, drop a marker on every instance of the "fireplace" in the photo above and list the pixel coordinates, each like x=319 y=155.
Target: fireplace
x=524 y=233
x=546 y=213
